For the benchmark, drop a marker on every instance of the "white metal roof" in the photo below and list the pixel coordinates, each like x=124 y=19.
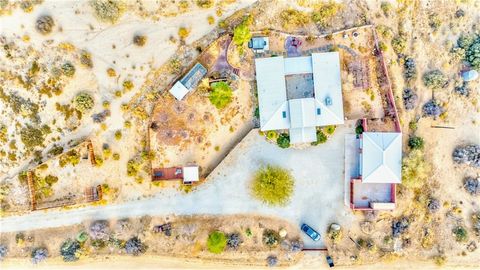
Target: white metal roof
x=190 y=173
x=381 y=157
x=302 y=112
x=298 y=65
x=328 y=84
x=303 y=135
x=272 y=93
x=178 y=90
x=276 y=112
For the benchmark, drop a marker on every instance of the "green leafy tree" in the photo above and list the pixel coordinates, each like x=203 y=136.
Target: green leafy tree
x=221 y=95
x=273 y=185
x=241 y=34
x=461 y=234
x=216 y=242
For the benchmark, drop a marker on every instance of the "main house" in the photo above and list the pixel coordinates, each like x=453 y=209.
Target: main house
x=299 y=94
x=379 y=167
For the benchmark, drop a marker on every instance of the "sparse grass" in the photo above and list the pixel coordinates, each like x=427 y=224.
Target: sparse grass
x=273 y=185
x=325 y=12
x=205 y=3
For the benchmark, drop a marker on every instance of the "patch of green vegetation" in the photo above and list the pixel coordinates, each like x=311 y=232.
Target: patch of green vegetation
x=399 y=44
x=283 y=140
x=461 y=234
x=434 y=79
x=83 y=102
x=321 y=138
x=108 y=10
x=416 y=142
x=241 y=33
x=272 y=135
x=216 y=242
x=221 y=95
x=292 y=18
x=133 y=167
x=68 y=69
x=71 y=157
x=31 y=137
x=330 y=129
x=204 y=3
x=324 y=13
x=415 y=170
x=270 y=238
x=273 y=185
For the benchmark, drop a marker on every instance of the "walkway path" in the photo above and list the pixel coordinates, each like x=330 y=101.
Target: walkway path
x=317 y=200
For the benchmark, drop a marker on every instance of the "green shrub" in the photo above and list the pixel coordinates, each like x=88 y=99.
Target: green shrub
x=241 y=34
x=71 y=157
x=273 y=185
x=83 y=102
x=133 y=167
x=330 y=129
x=472 y=54
x=69 y=249
x=68 y=69
x=31 y=137
x=399 y=45
x=139 y=40
x=461 y=234
x=216 y=242
x=221 y=95
x=321 y=138
x=440 y=260
x=359 y=129
x=272 y=135
x=386 y=8
x=82 y=237
x=292 y=18
x=415 y=142
x=51 y=179
x=324 y=13
x=270 y=238
x=434 y=79
x=283 y=140
x=415 y=170
x=108 y=10
x=205 y=3
x=465 y=41
x=118 y=135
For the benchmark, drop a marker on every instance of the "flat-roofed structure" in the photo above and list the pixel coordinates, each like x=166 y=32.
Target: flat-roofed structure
x=258 y=44
x=188 y=82
x=300 y=115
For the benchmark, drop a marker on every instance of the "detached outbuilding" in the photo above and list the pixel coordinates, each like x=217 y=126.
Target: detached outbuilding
x=188 y=174
x=379 y=171
x=188 y=82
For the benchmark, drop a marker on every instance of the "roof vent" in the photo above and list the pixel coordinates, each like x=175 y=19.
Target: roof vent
x=284 y=114
x=319 y=111
x=328 y=101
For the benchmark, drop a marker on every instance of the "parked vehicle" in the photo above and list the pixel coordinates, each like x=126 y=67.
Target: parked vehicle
x=310 y=232
x=330 y=261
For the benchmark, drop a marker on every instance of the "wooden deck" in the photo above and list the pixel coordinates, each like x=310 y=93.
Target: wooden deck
x=174 y=173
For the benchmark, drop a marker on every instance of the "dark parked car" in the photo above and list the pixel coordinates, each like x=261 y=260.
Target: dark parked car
x=330 y=261
x=310 y=232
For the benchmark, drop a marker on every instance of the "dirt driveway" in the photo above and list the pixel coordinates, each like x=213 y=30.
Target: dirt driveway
x=317 y=199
